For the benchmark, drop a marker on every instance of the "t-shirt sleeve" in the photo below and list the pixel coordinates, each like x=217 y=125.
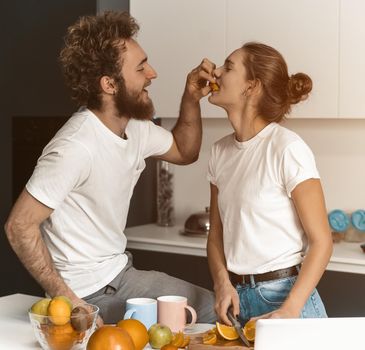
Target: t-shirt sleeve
x=298 y=165
x=158 y=141
x=211 y=168
x=59 y=170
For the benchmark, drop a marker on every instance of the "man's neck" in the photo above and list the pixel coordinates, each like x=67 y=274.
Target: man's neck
x=117 y=124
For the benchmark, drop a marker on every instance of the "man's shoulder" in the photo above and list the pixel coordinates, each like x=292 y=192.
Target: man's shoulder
x=73 y=134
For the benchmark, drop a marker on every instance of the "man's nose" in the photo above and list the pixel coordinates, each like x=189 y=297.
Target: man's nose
x=151 y=73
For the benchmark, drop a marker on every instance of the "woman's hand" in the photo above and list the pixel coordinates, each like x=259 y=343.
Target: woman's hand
x=225 y=297
x=279 y=313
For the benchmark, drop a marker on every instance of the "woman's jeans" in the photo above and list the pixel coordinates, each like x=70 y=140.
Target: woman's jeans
x=263 y=297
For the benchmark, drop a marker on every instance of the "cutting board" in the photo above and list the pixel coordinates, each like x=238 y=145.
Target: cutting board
x=196 y=343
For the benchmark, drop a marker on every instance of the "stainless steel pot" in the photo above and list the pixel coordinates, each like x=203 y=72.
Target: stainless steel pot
x=197 y=223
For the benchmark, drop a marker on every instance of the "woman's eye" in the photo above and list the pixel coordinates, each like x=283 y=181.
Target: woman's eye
x=140 y=69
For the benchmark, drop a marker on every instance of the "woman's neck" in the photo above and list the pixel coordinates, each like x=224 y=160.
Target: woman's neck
x=246 y=124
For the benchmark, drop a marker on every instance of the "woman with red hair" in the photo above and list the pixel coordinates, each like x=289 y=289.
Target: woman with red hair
x=269 y=240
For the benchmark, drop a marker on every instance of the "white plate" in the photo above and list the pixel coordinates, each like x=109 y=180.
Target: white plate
x=198 y=328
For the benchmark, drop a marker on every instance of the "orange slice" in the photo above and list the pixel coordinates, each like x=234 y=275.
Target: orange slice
x=209 y=339
x=186 y=342
x=227 y=332
x=214 y=86
x=249 y=330
x=178 y=339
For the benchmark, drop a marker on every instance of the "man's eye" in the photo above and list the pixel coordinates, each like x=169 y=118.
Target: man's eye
x=140 y=69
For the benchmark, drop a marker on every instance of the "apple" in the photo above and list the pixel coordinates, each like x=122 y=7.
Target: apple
x=159 y=335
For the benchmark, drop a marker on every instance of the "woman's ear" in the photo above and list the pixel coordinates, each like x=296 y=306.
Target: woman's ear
x=108 y=85
x=253 y=87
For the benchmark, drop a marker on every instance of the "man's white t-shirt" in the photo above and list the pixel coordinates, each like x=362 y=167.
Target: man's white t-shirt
x=255 y=178
x=87 y=174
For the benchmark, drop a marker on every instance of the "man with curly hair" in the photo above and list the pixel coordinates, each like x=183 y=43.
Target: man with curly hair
x=67 y=225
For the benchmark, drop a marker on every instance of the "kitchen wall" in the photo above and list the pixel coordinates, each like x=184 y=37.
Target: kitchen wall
x=338 y=145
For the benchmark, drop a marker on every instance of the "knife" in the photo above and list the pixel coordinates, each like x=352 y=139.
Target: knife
x=237 y=326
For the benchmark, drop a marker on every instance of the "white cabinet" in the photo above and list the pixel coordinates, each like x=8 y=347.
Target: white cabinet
x=176 y=36
x=324 y=39
x=305 y=32
x=352 y=63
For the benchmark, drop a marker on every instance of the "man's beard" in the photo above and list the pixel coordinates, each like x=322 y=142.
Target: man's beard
x=131 y=105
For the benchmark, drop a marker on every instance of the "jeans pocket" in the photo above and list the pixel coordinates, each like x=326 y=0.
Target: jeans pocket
x=314 y=307
x=275 y=292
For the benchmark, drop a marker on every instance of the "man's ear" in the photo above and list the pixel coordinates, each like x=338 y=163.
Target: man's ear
x=108 y=85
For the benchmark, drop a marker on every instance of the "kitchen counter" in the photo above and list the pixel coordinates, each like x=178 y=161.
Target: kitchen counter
x=16 y=332
x=346 y=257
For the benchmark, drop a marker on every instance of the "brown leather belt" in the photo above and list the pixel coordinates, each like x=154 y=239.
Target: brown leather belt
x=262 y=277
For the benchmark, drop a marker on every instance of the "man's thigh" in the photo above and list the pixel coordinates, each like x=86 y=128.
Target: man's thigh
x=152 y=284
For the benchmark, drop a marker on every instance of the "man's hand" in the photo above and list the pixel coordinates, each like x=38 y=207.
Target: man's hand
x=225 y=296
x=198 y=78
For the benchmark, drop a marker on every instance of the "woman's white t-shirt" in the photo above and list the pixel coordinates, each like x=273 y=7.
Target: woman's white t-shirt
x=87 y=174
x=255 y=178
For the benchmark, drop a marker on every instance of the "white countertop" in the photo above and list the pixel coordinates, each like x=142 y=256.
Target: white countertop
x=16 y=332
x=346 y=257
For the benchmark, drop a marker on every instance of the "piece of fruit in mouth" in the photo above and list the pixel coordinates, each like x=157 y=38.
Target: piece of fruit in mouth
x=214 y=86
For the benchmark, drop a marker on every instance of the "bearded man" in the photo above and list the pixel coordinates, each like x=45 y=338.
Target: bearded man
x=67 y=225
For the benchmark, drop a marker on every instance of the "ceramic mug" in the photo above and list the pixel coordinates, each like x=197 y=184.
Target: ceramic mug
x=171 y=312
x=142 y=309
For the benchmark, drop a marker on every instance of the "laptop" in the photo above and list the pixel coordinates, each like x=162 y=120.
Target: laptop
x=311 y=334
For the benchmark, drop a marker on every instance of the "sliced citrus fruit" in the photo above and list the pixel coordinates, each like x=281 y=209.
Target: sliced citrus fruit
x=178 y=339
x=249 y=330
x=227 y=332
x=209 y=339
x=186 y=342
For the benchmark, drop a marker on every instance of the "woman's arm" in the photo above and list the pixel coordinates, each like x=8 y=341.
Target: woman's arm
x=309 y=202
x=225 y=293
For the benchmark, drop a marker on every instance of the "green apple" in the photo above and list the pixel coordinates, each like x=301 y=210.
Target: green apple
x=40 y=307
x=159 y=335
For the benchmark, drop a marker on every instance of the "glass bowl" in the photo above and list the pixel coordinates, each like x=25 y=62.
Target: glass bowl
x=73 y=335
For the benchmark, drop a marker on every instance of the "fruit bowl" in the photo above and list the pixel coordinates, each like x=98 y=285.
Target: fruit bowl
x=72 y=335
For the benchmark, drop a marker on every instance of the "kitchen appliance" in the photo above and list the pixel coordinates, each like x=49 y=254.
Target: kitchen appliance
x=310 y=333
x=197 y=224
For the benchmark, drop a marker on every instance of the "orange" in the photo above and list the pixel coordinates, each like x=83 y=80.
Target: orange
x=209 y=338
x=180 y=340
x=186 y=342
x=61 y=337
x=59 y=312
x=169 y=347
x=226 y=332
x=110 y=338
x=137 y=331
x=249 y=330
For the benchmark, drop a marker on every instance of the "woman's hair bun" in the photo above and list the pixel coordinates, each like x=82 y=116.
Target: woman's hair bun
x=300 y=85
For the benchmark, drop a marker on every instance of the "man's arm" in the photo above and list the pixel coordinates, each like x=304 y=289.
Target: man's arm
x=23 y=232
x=188 y=129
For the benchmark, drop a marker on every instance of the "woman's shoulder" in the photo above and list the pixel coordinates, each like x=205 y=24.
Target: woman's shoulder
x=283 y=137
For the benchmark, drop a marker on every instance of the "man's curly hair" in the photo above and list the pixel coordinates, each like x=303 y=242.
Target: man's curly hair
x=92 y=50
